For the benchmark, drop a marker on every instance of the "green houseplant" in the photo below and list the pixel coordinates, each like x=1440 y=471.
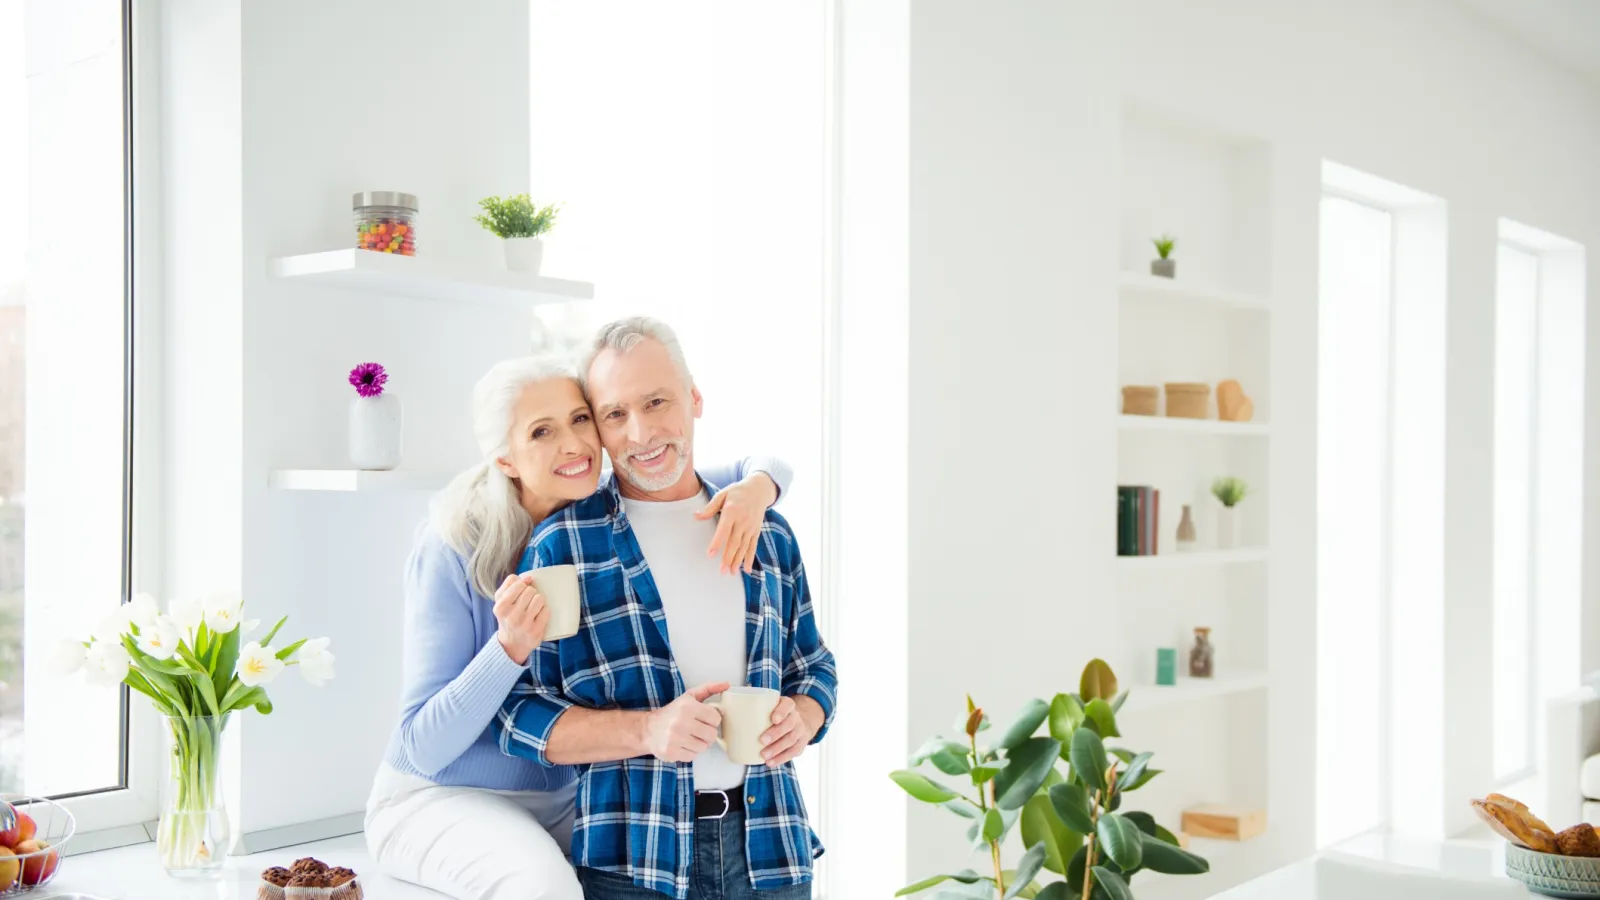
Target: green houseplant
x=1074 y=823
x=520 y=223
x=1230 y=492
x=1165 y=266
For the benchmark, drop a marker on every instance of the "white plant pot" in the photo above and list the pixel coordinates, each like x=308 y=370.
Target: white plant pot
x=1227 y=528
x=524 y=255
x=375 y=432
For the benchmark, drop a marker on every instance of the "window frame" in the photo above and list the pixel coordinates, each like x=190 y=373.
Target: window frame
x=1531 y=539
x=125 y=814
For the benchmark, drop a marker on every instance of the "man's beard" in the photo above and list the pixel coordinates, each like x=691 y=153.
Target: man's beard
x=654 y=481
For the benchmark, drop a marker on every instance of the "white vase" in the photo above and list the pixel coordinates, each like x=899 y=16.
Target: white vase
x=1227 y=528
x=375 y=432
x=524 y=254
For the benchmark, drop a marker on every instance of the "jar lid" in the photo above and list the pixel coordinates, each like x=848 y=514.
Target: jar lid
x=383 y=198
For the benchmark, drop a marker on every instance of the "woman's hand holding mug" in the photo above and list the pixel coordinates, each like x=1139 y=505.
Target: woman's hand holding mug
x=523 y=616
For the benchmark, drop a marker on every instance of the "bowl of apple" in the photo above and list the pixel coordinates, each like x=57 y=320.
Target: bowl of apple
x=34 y=832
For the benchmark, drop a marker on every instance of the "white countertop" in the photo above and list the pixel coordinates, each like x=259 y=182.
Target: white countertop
x=1381 y=867
x=132 y=873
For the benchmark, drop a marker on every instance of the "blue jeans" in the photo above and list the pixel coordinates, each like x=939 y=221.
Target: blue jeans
x=720 y=871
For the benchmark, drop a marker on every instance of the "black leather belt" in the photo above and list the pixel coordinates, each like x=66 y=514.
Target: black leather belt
x=716 y=804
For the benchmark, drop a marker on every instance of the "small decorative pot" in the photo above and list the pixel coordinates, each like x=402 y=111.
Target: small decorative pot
x=1166 y=268
x=1227 y=528
x=524 y=254
x=375 y=432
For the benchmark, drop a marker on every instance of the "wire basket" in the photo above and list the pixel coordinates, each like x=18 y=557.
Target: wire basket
x=54 y=826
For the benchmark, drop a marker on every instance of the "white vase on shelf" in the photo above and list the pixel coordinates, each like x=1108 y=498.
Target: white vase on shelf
x=375 y=432
x=1227 y=527
x=524 y=254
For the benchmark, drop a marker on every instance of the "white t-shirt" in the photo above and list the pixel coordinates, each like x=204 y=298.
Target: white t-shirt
x=705 y=610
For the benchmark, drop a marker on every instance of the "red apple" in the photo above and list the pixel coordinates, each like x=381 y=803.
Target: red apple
x=10 y=868
x=37 y=869
x=26 y=828
x=11 y=835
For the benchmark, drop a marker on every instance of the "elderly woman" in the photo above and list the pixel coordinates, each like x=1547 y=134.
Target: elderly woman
x=448 y=810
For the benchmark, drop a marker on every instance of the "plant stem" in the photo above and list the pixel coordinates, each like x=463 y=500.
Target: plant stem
x=1088 y=859
x=994 y=852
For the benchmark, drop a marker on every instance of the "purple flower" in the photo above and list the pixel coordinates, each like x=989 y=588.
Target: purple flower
x=369 y=379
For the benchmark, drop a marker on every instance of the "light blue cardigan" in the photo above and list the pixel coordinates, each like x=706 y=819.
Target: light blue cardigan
x=456 y=674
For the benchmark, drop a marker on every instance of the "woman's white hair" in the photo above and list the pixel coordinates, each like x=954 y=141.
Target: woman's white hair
x=624 y=335
x=479 y=514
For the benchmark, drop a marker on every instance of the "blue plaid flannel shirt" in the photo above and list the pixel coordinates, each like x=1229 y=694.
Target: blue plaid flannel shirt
x=635 y=817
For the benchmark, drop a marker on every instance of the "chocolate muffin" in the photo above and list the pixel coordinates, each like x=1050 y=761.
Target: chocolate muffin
x=273 y=881
x=344 y=884
x=308 y=865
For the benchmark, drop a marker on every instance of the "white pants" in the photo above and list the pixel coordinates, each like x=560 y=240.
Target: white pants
x=472 y=843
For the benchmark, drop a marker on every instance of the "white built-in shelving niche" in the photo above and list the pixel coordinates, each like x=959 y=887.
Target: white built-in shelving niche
x=1213 y=321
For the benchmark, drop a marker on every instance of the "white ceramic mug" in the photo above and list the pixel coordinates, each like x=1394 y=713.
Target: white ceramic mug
x=559 y=585
x=746 y=715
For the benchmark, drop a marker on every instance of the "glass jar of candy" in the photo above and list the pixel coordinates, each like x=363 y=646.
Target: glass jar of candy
x=386 y=221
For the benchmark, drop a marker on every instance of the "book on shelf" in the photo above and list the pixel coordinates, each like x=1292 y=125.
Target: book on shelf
x=1138 y=520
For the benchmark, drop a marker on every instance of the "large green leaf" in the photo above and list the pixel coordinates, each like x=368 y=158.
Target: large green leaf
x=951 y=763
x=226 y=656
x=1041 y=824
x=1027 y=867
x=961 y=808
x=1075 y=867
x=1121 y=840
x=1066 y=714
x=1028 y=721
x=1008 y=819
x=1122 y=753
x=1143 y=820
x=982 y=774
x=1116 y=705
x=1160 y=856
x=921 y=788
x=1144 y=779
x=1115 y=888
x=286 y=652
x=965 y=876
x=1027 y=891
x=937 y=745
x=1130 y=776
x=1089 y=758
x=1167 y=837
x=1099 y=711
x=1024 y=772
x=1056 y=890
x=1071 y=803
x=993 y=825
x=1098 y=681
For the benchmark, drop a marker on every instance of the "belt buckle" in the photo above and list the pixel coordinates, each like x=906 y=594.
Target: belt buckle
x=727 y=805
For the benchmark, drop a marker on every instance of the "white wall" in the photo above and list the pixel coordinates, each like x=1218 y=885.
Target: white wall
x=1014 y=138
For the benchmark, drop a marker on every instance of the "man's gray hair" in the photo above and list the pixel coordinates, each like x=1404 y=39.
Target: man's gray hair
x=623 y=335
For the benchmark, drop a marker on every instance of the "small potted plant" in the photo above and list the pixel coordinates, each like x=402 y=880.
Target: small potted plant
x=1166 y=266
x=1230 y=492
x=375 y=421
x=519 y=222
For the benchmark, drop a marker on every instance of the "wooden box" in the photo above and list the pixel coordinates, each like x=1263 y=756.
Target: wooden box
x=1225 y=823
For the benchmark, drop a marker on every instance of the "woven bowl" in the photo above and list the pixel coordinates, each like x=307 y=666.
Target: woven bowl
x=1552 y=875
x=1140 y=400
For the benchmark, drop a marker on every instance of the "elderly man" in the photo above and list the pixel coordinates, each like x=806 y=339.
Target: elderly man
x=661 y=807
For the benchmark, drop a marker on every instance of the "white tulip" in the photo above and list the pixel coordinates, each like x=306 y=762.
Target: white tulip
x=188 y=614
x=258 y=665
x=222 y=613
x=248 y=627
x=67 y=657
x=159 y=639
x=142 y=610
x=316 y=663
x=112 y=626
x=106 y=663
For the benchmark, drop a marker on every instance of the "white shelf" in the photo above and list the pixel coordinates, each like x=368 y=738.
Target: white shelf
x=1193 y=426
x=429 y=279
x=1153 y=287
x=1193 y=558
x=356 y=480
x=1146 y=697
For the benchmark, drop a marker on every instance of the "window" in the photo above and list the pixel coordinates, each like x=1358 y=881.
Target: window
x=697 y=194
x=1352 y=525
x=65 y=383
x=1515 y=386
